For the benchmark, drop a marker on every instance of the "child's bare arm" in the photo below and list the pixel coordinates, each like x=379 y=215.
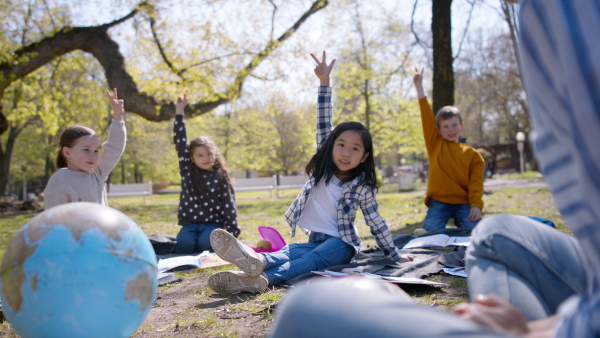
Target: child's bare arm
x=180 y=105
x=322 y=70
x=418 y=81
x=117 y=105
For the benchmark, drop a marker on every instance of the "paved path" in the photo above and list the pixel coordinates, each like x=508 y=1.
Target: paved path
x=495 y=183
x=498 y=183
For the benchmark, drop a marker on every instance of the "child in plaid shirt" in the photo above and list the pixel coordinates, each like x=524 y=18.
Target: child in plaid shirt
x=342 y=178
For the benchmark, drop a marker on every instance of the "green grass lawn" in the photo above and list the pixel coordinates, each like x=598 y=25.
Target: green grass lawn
x=403 y=211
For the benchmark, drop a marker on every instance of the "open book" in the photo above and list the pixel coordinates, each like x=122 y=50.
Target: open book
x=437 y=240
x=179 y=263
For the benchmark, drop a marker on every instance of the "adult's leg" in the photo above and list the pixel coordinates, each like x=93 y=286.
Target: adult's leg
x=461 y=216
x=360 y=307
x=329 y=251
x=531 y=265
x=437 y=216
x=187 y=239
x=204 y=237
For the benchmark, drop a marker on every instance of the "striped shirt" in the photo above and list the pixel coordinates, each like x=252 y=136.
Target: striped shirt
x=560 y=55
x=354 y=195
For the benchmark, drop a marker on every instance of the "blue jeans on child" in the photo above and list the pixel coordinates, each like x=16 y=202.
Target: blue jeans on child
x=194 y=238
x=293 y=260
x=439 y=213
x=529 y=264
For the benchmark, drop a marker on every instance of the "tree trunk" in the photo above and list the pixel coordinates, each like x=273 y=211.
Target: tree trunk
x=5 y=157
x=443 y=71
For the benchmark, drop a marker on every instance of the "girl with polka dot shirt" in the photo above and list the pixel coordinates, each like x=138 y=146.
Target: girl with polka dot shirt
x=207 y=200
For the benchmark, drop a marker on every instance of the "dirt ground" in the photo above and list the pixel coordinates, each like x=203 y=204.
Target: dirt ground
x=190 y=309
x=180 y=311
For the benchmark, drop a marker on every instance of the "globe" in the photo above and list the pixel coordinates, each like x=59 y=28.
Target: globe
x=78 y=270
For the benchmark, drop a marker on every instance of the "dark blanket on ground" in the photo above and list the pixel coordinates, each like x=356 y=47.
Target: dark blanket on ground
x=426 y=261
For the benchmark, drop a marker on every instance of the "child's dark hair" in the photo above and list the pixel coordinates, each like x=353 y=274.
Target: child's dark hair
x=321 y=164
x=220 y=166
x=447 y=112
x=68 y=138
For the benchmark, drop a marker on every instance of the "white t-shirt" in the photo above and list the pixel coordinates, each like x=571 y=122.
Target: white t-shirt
x=320 y=211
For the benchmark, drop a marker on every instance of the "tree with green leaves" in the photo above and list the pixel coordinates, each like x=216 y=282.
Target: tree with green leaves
x=40 y=32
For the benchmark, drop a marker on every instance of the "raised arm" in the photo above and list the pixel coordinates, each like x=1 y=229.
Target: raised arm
x=117 y=105
x=418 y=81
x=324 y=107
x=179 y=132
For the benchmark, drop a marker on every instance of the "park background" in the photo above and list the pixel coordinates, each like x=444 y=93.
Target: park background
x=246 y=67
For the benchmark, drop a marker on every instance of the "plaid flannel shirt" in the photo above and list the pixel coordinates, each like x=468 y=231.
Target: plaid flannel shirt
x=354 y=194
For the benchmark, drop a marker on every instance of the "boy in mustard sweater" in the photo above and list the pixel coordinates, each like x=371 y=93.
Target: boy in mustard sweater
x=455 y=184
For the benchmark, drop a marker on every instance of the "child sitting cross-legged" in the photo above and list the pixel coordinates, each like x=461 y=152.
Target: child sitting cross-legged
x=342 y=179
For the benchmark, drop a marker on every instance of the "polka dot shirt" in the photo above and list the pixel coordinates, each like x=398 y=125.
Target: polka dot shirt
x=216 y=205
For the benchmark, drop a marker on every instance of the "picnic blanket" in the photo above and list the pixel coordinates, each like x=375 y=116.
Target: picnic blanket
x=426 y=261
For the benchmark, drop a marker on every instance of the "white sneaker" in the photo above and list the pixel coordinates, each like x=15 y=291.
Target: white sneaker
x=230 y=249
x=227 y=282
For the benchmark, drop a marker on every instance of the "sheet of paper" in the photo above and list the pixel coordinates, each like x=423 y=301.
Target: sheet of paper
x=399 y=280
x=461 y=272
x=437 y=240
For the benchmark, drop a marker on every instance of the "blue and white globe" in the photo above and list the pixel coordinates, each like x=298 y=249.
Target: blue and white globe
x=78 y=270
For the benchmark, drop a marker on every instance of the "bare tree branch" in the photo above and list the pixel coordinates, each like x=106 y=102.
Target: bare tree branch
x=418 y=40
x=160 y=48
x=466 y=29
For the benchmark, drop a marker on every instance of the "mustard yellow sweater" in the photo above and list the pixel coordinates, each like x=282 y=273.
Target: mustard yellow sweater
x=455 y=169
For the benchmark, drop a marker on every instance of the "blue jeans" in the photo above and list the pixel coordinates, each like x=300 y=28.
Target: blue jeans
x=193 y=238
x=530 y=264
x=293 y=260
x=439 y=213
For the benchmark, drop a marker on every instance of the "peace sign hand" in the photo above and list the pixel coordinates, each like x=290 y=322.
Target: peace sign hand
x=117 y=105
x=322 y=70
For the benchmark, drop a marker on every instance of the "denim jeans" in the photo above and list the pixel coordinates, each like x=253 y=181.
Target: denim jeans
x=439 y=213
x=194 y=238
x=293 y=260
x=530 y=264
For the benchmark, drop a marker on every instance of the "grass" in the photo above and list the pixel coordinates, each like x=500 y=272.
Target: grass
x=403 y=211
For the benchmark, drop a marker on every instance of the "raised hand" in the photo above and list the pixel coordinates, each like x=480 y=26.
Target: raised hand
x=180 y=104
x=418 y=81
x=118 y=106
x=322 y=70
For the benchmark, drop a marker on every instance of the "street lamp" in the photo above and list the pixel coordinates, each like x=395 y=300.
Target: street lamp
x=24 y=168
x=520 y=140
